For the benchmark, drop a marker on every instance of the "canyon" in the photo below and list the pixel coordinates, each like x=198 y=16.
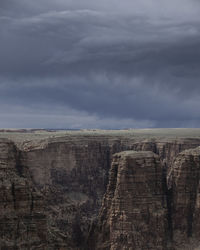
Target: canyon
x=92 y=190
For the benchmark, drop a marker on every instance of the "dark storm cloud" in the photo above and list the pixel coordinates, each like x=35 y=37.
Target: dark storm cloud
x=129 y=62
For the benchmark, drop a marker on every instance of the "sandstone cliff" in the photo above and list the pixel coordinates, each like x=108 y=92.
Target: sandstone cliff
x=133 y=214
x=183 y=181
x=140 y=210
x=22 y=219
x=59 y=184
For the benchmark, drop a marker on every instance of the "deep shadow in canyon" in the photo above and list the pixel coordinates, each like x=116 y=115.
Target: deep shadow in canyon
x=75 y=192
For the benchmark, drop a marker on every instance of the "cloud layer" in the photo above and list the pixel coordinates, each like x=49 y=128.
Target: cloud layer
x=81 y=64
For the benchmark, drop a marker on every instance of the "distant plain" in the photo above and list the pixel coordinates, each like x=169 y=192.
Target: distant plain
x=23 y=135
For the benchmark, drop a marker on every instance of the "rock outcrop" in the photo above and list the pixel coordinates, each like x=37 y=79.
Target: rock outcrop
x=184 y=183
x=51 y=192
x=23 y=224
x=72 y=174
x=143 y=210
x=133 y=214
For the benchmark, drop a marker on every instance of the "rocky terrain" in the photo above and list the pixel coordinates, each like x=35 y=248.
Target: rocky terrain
x=134 y=204
x=23 y=222
x=70 y=190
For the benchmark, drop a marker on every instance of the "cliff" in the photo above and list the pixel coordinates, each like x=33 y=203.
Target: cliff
x=22 y=219
x=143 y=208
x=59 y=184
x=183 y=181
x=133 y=213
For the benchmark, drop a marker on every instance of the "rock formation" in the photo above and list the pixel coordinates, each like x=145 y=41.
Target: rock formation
x=22 y=219
x=184 y=180
x=133 y=214
x=51 y=192
x=139 y=209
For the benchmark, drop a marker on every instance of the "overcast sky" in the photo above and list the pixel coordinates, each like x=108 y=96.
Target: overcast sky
x=99 y=64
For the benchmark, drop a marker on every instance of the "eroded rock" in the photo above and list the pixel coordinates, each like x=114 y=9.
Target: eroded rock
x=53 y=190
x=23 y=223
x=183 y=180
x=133 y=213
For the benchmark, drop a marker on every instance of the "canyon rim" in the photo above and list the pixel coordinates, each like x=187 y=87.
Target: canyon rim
x=99 y=125
x=109 y=190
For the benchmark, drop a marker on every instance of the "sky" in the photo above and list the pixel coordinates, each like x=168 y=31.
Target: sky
x=106 y=64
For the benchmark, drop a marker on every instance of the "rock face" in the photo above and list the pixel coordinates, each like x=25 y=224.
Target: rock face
x=22 y=219
x=183 y=180
x=72 y=176
x=133 y=214
x=139 y=209
x=51 y=192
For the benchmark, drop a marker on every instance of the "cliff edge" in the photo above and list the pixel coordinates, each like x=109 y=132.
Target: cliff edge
x=133 y=213
x=63 y=193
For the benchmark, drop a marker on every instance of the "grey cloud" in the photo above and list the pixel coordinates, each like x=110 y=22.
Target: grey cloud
x=21 y=116
x=106 y=99
x=132 y=61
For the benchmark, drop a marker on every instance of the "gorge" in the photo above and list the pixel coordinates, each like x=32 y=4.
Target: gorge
x=93 y=190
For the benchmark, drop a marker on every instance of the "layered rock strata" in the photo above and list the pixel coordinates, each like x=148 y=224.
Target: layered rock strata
x=59 y=184
x=22 y=219
x=133 y=214
x=72 y=174
x=140 y=210
x=183 y=181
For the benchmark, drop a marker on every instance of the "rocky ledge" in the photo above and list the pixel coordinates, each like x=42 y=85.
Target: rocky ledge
x=74 y=192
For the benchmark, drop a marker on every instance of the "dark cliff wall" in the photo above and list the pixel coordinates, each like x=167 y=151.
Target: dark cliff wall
x=72 y=176
x=143 y=210
x=133 y=213
x=183 y=181
x=22 y=218
x=63 y=183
